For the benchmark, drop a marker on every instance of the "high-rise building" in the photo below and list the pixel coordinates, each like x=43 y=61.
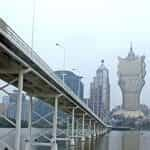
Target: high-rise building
x=73 y=81
x=100 y=91
x=131 y=72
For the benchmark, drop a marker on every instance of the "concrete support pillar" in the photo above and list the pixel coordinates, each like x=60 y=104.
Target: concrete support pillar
x=72 y=128
x=89 y=130
x=55 y=117
x=98 y=130
x=68 y=126
x=83 y=128
x=77 y=127
x=68 y=132
x=29 y=140
x=101 y=130
x=94 y=134
x=19 y=111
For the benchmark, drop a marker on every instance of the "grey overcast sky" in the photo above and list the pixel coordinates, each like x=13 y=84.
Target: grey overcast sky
x=90 y=30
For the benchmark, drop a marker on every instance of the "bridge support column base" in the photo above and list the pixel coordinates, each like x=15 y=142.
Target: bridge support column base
x=72 y=142
x=82 y=139
x=28 y=146
x=54 y=146
x=94 y=135
x=89 y=130
x=94 y=131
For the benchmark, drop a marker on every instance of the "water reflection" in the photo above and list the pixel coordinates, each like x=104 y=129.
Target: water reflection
x=130 y=141
x=126 y=140
x=115 y=140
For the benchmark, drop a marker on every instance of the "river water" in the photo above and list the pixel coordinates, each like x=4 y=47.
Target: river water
x=115 y=140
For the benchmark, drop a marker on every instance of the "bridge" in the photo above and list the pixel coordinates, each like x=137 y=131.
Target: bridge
x=21 y=67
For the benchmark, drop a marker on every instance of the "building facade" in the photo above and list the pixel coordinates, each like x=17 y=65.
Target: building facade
x=100 y=91
x=131 y=73
x=73 y=81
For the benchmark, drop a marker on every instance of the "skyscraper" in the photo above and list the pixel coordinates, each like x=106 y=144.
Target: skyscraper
x=100 y=91
x=73 y=81
x=131 y=72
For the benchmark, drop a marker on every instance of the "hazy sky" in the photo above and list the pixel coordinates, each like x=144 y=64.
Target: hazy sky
x=90 y=30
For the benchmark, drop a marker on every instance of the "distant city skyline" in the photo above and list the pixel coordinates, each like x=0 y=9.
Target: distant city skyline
x=102 y=31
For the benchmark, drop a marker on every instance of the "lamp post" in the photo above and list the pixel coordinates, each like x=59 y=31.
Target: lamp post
x=64 y=63
x=33 y=24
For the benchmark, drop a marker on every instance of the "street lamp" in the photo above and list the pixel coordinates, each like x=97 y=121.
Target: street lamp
x=59 y=45
x=33 y=24
x=64 y=64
